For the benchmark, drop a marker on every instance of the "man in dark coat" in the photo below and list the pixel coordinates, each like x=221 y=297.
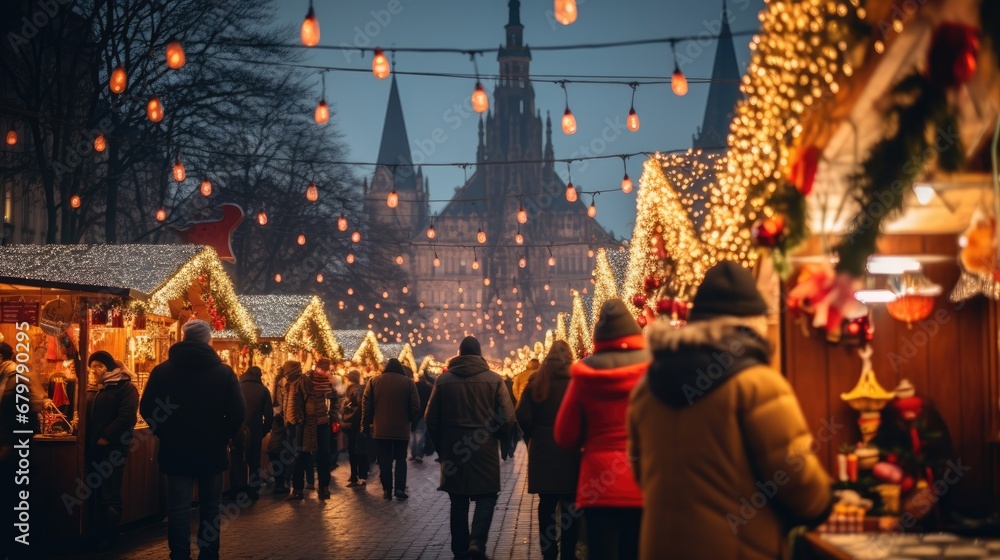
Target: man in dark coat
x=244 y=476
x=418 y=431
x=194 y=405
x=468 y=412
x=390 y=404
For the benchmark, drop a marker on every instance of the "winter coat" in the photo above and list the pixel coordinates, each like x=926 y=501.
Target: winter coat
x=279 y=434
x=521 y=381
x=592 y=418
x=351 y=417
x=111 y=414
x=194 y=405
x=390 y=403
x=424 y=388
x=309 y=409
x=8 y=407
x=551 y=469
x=260 y=411
x=720 y=447
x=469 y=404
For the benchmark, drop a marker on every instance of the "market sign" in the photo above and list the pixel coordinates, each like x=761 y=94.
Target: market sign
x=19 y=312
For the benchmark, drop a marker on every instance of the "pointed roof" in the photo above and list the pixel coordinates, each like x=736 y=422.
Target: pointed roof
x=395 y=148
x=724 y=92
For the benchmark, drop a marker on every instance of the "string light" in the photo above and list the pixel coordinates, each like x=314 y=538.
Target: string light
x=632 y=121
x=277 y=278
x=118 y=80
x=206 y=187
x=175 y=55
x=565 y=11
x=350 y=258
x=322 y=114
x=179 y=173
x=380 y=64
x=522 y=262
x=393 y=199
x=319 y=277
x=262 y=218
x=310 y=28
x=342 y=223
x=75 y=201
x=301 y=240
x=678 y=83
x=592 y=210
x=437 y=261
x=100 y=144
x=571 y=195
x=399 y=260
x=522 y=215
x=519 y=238
x=161 y=215
x=11 y=138
x=312 y=195
x=626 y=184
x=154 y=109
x=356 y=237
x=480 y=101
x=431 y=234
x=481 y=236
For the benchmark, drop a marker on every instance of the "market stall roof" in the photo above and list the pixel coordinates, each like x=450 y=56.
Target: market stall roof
x=155 y=274
x=300 y=320
x=350 y=340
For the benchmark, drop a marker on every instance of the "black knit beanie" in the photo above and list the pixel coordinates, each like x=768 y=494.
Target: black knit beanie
x=615 y=321
x=104 y=358
x=394 y=366
x=728 y=290
x=470 y=347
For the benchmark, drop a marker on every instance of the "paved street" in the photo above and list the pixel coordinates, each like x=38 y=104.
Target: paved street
x=357 y=523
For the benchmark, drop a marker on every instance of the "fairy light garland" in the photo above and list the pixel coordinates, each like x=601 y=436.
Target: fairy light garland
x=561 y=332
x=368 y=352
x=604 y=285
x=312 y=330
x=579 y=337
x=406 y=357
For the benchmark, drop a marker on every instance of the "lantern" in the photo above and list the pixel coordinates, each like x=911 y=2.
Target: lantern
x=626 y=184
x=522 y=216
x=161 y=215
x=481 y=236
x=552 y=261
x=75 y=201
x=11 y=137
x=154 y=109
x=910 y=308
x=437 y=261
x=118 y=80
x=342 y=223
x=519 y=239
x=179 y=173
x=480 y=101
x=322 y=115
x=592 y=210
x=475 y=264
x=678 y=82
x=262 y=218
x=431 y=234
x=632 y=121
x=310 y=28
x=350 y=258
x=206 y=187
x=565 y=11
x=568 y=122
x=312 y=195
x=522 y=262
x=380 y=65
x=301 y=240
x=100 y=144
x=175 y=55
x=392 y=200
x=571 y=195
x=356 y=237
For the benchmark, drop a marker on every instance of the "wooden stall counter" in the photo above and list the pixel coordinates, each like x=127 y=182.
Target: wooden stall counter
x=849 y=546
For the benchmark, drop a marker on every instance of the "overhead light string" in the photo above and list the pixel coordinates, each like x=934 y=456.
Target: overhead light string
x=322 y=115
x=678 y=83
x=571 y=194
x=626 y=182
x=632 y=121
x=568 y=120
x=480 y=101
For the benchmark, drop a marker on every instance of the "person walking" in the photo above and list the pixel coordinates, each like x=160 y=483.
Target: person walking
x=418 y=431
x=521 y=380
x=390 y=404
x=245 y=473
x=469 y=403
x=552 y=470
x=310 y=415
x=111 y=418
x=351 y=424
x=194 y=405
x=509 y=443
x=592 y=418
x=280 y=444
x=712 y=420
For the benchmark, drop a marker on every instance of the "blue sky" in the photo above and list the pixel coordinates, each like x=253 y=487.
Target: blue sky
x=437 y=135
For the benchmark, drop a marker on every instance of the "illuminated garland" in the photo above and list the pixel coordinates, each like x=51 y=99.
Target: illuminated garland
x=561 y=332
x=312 y=330
x=369 y=353
x=579 y=337
x=604 y=285
x=406 y=357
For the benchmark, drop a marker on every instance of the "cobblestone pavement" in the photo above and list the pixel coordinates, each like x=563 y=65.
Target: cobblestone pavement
x=357 y=523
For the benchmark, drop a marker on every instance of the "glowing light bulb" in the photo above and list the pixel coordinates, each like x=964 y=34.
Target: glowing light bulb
x=262 y=218
x=632 y=121
x=547 y=287
x=350 y=291
x=322 y=115
x=399 y=260
x=179 y=173
x=486 y=281
x=350 y=258
x=154 y=109
x=277 y=278
x=592 y=210
x=392 y=200
x=118 y=80
x=475 y=265
x=206 y=188
x=11 y=138
x=552 y=261
x=522 y=262
x=481 y=236
x=161 y=215
x=519 y=239
x=565 y=11
x=568 y=122
x=301 y=240
x=431 y=234
x=75 y=201
x=437 y=261
x=480 y=101
x=100 y=144
x=310 y=28
x=571 y=195
x=175 y=55
x=342 y=223
x=626 y=184
x=312 y=194
x=319 y=277
x=678 y=82
x=356 y=237
x=522 y=216
x=380 y=65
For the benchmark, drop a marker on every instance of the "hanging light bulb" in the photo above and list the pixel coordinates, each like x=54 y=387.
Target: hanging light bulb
x=626 y=184
x=592 y=210
x=568 y=122
x=175 y=55
x=486 y=281
x=565 y=11
x=392 y=200
x=522 y=215
x=310 y=28
x=161 y=215
x=480 y=101
x=301 y=239
x=522 y=262
x=547 y=287
x=342 y=223
x=552 y=261
x=75 y=201
x=262 y=218
x=350 y=258
x=437 y=261
x=179 y=173
x=154 y=109
x=481 y=236
x=277 y=278
x=322 y=115
x=206 y=187
x=519 y=239
x=312 y=195
x=431 y=234
x=678 y=82
x=356 y=237
x=350 y=291
x=632 y=122
x=100 y=144
x=319 y=277
x=571 y=195
x=11 y=137
x=399 y=260
x=380 y=65
x=118 y=80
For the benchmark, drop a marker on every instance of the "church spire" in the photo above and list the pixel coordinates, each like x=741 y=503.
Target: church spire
x=723 y=93
x=549 y=152
x=394 y=151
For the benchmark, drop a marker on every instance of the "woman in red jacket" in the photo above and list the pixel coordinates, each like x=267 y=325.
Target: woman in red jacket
x=592 y=418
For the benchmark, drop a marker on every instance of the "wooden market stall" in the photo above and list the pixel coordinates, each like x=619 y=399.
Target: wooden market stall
x=361 y=350
x=129 y=300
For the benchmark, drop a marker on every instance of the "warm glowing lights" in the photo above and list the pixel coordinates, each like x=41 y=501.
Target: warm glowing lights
x=75 y=201
x=312 y=195
x=11 y=138
x=301 y=239
x=179 y=173
x=486 y=281
x=678 y=83
x=431 y=234
x=571 y=195
x=350 y=291
x=475 y=264
x=322 y=115
x=519 y=238
x=626 y=184
x=350 y=258
x=399 y=260
x=206 y=187
x=319 y=277
x=437 y=261
x=380 y=65
x=480 y=101
x=568 y=122
x=100 y=144
x=552 y=261
x=262 y=218
x=392 y=200
x=310 y=28
x=481 y=236
x=161 y=215
x=592 y=209
x=342 y=223
x=154 y=109
x=522 y=216
x=118 y=80
x=175 y=55
x=565 y=11
x=356 y=237
x=522 y=262
x=632 y=121
x=277 y=278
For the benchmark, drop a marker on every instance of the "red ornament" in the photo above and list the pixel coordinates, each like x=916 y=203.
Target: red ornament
x=651 y=283
x=769 y=231
x=665 y=306
x=217 y=325
x=907 y=484
x=680 y=309
x=803 y=172
x=639 y=300
x=641 y=319
x=951 y=60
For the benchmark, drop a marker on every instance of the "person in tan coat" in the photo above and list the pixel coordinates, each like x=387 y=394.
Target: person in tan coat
x=717 y=439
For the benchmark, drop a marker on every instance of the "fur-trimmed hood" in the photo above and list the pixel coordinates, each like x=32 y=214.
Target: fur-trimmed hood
x=692 y=361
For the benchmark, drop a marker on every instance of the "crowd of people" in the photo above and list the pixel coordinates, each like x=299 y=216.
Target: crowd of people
x=649 y=447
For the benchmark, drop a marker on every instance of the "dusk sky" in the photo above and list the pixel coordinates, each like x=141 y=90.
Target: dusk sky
x=439 y=133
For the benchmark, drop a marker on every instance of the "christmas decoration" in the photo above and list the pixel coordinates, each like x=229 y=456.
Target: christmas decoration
x=604 y=286
x=769 y=231
x=561 y=333
x=978 y=259
x=867 y=397
x=803 y=170
x=580 y=338
x=827 y=300
x=915 y=295
x=368 y=354
x=951 y=61
x=215 y=233
x=639 y=300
